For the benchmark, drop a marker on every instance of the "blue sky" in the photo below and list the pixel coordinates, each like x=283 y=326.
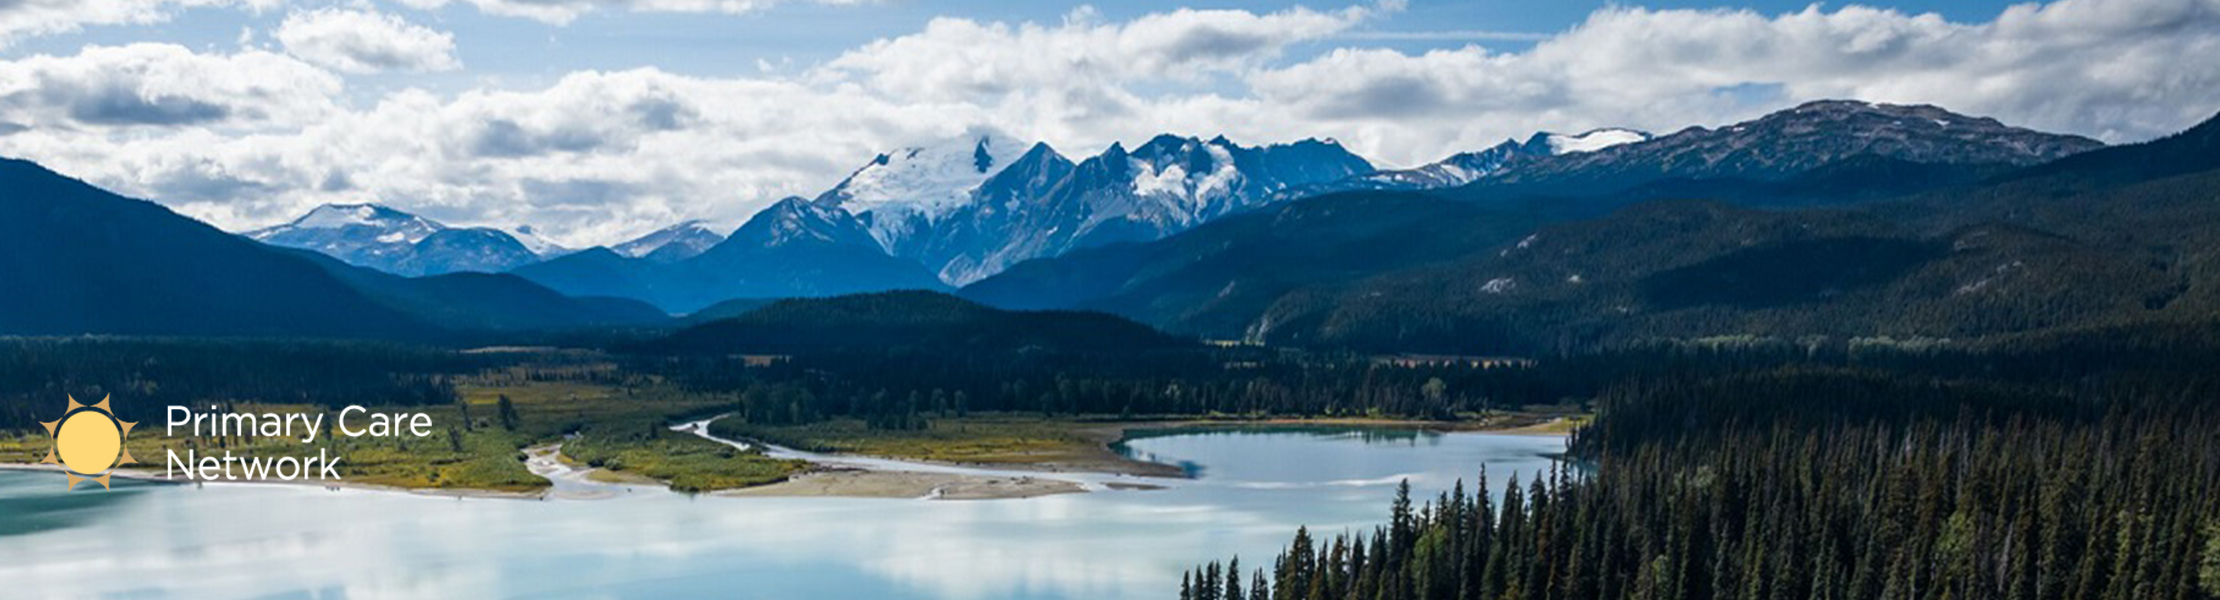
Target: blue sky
x=595 y=120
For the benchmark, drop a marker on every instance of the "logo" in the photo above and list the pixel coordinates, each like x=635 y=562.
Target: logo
x=88 y=442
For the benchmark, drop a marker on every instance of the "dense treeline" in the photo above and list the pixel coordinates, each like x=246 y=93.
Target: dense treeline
x=148 y=374
x=900 y=388
x=1819 y=483
x=899 y=391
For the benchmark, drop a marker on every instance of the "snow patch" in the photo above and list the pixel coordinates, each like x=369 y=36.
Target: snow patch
x=1149 y=181
x=927 y=181
x=1594 y=140
x=534 y=242
x=1498 y=285
x=334 y=216
x=1219 y=182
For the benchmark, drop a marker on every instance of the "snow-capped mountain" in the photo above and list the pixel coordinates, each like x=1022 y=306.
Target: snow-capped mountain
x=1467 y=167
x=1454 y=171
x=970 y=208
x=382 y=238
x=363 y=234
x=973 y=206
x=795 y=220
x=902 y=192
x=671 y=244
x=1798 y=140
x=1162 y=187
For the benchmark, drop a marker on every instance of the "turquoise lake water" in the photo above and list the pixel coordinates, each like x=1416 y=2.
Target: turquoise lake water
x=1249 y=492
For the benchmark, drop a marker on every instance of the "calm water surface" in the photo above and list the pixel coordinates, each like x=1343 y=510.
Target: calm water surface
x=1251 y=489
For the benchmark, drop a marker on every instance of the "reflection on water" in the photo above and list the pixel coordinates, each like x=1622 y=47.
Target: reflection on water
x=291 y=541
x=1179 y=446
x=29 y=504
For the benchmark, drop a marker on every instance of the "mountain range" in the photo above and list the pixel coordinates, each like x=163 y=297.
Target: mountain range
x=938 y=216
x=970 y=208
x=1467 y=167
x=2031 y=233
x=1829 y=219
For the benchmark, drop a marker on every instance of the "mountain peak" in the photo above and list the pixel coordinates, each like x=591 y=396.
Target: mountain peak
x=925 y=181
x=794 y=219
x=364 y=214
x=362 y=223
x=682 y=240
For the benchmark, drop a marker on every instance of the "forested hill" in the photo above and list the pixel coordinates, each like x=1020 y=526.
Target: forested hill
x=2116 y=235
x=1216 y=278
x=1845 y=243
x=75 y=259
x=905 y=322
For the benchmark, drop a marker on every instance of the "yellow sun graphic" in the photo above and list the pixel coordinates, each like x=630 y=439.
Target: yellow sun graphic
x=88 y=442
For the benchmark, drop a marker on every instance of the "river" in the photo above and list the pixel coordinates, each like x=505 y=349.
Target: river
x=1250 y=490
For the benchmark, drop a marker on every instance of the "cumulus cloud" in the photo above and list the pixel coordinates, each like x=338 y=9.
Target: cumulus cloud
x=366 y=42
x=593 y=158
x=562 y=12
x=252 y=138
x=962 y=59
x=151 y=84
x=2106 y=68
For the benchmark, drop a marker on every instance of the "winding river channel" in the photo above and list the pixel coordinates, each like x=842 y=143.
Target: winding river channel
x=1249 y=491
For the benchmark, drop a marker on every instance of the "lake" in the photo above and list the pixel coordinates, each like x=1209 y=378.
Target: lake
x=1251 y=489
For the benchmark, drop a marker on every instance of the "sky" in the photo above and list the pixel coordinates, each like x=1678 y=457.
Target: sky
x=594 y=121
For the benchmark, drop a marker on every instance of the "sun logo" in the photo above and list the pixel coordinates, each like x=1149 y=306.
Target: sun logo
x=88 y=442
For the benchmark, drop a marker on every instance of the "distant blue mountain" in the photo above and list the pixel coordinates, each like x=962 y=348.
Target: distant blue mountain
x=795 y=248
x=393 y=241
x=672 y=244
x=75 y=259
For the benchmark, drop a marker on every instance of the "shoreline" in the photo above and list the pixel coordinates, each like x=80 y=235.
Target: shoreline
x=864 y=483
x=1107 y=461
x=866 y=476
x=148 y=476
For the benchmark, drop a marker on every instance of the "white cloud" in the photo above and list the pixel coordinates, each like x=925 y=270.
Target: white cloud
x=366 y=42
x=562 y=12
x=593 y=158
x=161 y=85
x=961 y=59
x=2106 y=68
